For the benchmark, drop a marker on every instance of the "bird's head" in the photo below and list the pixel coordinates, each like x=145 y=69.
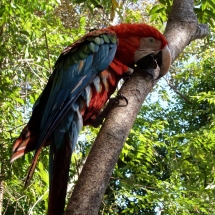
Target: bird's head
x=136 y=41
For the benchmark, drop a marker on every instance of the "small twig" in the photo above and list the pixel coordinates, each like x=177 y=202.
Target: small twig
x=26 y=94
x=47 y=46
x=160 y=211
x=39 y=199
x=76 y=164
x=10 y=130
x=26 y=59
x=13 y=198
x=5 y=210
x=34 y=72
x=131 y=182
x=17 y=204
x=103 y=207
x=177 y=92
x=15 y=208
x=42 y=68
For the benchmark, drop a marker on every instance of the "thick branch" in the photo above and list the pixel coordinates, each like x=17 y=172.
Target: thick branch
x=182 y=28
x=90 y=188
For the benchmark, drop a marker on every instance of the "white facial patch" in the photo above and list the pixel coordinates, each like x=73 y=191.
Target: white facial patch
x=148 y=46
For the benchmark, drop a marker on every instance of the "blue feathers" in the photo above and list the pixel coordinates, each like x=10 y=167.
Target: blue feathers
x=57 y=109
x=73 y=72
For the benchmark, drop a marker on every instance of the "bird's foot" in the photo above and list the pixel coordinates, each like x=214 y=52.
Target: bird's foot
x=126 y=77
x=112 y=101
x=120 y=97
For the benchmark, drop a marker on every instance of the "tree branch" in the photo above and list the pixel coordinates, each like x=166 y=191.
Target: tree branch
x=182 y=28
x=90 y=188
x=47 y=47
x=177 y=92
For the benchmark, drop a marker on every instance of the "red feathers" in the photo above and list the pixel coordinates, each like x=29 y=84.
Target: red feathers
x=129 y=40
x=108 y=85
x=127 y=31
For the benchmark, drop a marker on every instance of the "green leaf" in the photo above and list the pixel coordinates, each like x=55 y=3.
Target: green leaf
x=211 y=14
x=79 y=1
x=94 y=2
x=211 y=3
x=25 y=33
x=154 y=9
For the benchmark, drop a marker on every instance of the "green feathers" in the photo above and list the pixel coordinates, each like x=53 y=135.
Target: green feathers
x=106 y=38
x=93 y=47
x=84 y=47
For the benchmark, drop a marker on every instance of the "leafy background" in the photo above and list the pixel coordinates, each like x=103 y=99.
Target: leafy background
x=167 y=163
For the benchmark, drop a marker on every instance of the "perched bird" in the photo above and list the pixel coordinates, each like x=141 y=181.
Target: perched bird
x=85 y=75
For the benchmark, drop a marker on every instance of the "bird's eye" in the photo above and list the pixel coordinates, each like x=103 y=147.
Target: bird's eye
x=151 y=40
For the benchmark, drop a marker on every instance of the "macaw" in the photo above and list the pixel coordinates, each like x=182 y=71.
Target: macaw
x=85 y=76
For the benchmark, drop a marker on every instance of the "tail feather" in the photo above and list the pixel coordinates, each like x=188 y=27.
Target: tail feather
x=60 y=158
x=21 y=144
x=16 y=144
x=25 y=143
x=29 y=136
x=59 y=178
x=17 y=155
x=32 y=167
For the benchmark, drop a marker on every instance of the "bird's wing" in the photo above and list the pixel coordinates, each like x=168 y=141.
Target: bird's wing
x=74 y=70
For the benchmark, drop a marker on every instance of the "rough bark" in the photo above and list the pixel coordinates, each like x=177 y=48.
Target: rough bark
x=182 y=28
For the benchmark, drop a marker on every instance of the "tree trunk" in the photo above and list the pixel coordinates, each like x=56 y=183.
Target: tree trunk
x=107 y=147
x=181 y=29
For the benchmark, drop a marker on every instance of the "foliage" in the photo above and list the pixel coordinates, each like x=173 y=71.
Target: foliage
x=203 y=9
x=167 y=162
x=31 y=40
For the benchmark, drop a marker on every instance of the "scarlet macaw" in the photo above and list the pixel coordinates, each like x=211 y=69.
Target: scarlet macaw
x=85 y=75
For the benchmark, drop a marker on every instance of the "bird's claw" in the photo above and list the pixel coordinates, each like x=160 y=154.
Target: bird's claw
x=126 y=77
x=121 y=97
x=99 y=120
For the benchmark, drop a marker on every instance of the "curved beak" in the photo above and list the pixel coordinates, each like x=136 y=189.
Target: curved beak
x=166 y=61
x=161 y=60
